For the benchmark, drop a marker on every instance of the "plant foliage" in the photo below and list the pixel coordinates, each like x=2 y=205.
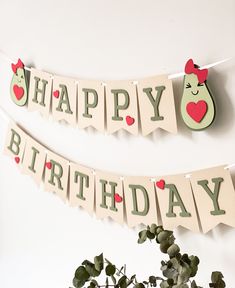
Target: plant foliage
x=177 y=270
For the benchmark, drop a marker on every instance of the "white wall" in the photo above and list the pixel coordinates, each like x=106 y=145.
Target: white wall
x=42 y=240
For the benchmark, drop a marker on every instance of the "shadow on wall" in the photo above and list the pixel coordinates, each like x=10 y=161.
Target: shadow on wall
x=224 y=108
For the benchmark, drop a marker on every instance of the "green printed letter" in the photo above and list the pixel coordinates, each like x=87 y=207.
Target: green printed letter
x=56 y=174
x=213 y=195
x=87 y=103
x=14 y=146
x=111 y=194
x=155 y=102
x=82 y=178
x=173 y=193
x=135 y=210
x=39 y=91
x=64 y=99
x=117 y=106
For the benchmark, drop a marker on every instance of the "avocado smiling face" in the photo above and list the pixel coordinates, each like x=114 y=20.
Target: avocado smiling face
x=197 y=105
x=18 y=88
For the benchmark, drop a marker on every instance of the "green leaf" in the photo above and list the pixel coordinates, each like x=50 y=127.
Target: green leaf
x=92 y=285
x=90 y=268
x=85 y=262
x=142 y=236
x=94 y=282
x=150 y=235
x=81 y=274
x=77 y=283
x=193 y=284
x=217 y=280
x=164 y=284
x=184 y=273
x=170 y=281
x=194 y=259
x=152 y=279
x=122 y=281
x=99 y=262
x=173 y=250
x=216 y=276
x=139 y=285
x=164 y=245
x=110 y=270
x=164 y=235
x=153 y=228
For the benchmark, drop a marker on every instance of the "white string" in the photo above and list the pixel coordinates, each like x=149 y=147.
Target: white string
x=181 y=74
x=229 y=166
x=135 y=82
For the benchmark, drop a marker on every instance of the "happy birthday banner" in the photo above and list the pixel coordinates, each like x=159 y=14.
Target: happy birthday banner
x=147 y=103
x=210 y=192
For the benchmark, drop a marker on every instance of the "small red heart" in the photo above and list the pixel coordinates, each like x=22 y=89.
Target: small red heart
x=160 y=184
x=197 y=111
x=17 y=159
x=18 y=91
x=48 y=165
x=117 y=198
x=56 y=93
x=129 y=120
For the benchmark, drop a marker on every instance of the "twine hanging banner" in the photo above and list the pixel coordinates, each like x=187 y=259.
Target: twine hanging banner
x=135 y=106
x=209 y=191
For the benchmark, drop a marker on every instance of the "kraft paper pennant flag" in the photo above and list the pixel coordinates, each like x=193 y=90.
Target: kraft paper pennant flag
x=56 y=175
x=64 y=100
x=140 y=201
x=82 y=187
x=176 y=202
x=34 y=160
x=215 y=197
x=122 y=109
x=15 y=144
x=91 y=105
x=109 y=196
x=40 y=88
x=157 y=106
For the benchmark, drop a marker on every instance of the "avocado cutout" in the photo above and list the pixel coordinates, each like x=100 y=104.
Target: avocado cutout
x=197 y=104
x=19 y=88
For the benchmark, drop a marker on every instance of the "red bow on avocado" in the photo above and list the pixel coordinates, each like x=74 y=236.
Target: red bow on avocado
x=19 y=64
x=201 y=74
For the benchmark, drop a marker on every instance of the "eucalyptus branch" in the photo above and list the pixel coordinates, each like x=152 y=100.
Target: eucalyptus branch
x=118 y=271
x=178 y=270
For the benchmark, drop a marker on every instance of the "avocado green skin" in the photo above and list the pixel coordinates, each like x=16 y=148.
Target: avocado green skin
x=203 y=93
x=18 y=78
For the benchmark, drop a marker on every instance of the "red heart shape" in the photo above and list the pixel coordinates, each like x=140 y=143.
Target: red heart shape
x=18 y=91
x=197 y=111
x=160 y=184
x=117 y=198
x=17 y=159
x=129 y=120
x=48 y=165
x=56 y=93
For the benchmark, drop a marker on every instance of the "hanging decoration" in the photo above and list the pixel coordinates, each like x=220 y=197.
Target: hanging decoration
x=209 y=191
x=147 y=104
x=197 y=104
x=19 y=88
